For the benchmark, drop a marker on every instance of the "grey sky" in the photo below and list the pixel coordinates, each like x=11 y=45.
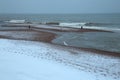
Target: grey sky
x=59 y=6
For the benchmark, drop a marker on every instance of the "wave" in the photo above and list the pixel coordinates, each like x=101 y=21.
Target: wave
x=85 y=24
x=98 y=24
x=16 y=21
x=91 y=26
x=72 y=24
x=88 y=25
x=103 y=28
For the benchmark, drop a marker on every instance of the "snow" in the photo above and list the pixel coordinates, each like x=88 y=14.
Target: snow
x=28 y=60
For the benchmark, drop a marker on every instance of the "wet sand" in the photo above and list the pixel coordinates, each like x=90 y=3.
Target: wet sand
x=101 y=52
x=38 y=34
x=31 y=35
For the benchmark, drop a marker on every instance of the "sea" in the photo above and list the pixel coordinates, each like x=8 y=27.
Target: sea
x=108 y=41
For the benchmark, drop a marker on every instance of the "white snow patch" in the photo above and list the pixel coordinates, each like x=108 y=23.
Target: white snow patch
x=27 y=60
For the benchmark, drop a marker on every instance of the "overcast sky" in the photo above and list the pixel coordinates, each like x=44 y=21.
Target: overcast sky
x=59 y=6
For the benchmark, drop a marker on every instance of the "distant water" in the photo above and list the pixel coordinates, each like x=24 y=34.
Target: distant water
x=97 y=40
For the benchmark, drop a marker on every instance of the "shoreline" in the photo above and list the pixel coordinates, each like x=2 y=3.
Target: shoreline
x=46 y=36
x=94 y=51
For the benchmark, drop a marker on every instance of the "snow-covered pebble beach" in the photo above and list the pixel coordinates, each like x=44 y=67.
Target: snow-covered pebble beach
x=29 y=60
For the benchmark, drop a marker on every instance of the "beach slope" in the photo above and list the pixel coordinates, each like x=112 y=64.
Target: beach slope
x=43 y=61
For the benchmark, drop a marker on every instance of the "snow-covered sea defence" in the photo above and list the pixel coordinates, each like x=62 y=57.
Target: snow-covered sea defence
x=28 y=60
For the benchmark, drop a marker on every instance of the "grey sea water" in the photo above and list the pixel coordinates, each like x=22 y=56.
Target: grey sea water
x=98 y=40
